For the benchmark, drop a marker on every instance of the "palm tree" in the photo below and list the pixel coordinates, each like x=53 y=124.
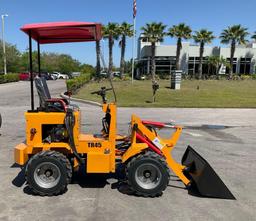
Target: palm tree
x=180 y=31
x=125 y=30
x=254 y=36
x=233 y=35
x=153 y=32
x=202 y=37
x=216 y=62
x=110 y=32
x=212 y=62
x=98 y=68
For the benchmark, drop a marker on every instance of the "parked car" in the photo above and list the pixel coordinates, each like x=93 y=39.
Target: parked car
x=53 y=76
x=75 y=74
x=47 y=75
x=116 y=74
x=61 y=76
x=24 y=76
x=103 y=74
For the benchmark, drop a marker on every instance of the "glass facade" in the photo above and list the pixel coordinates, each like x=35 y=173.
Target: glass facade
x=245 y=66
x=234 y=65
x=193 y=66
x=190 y=65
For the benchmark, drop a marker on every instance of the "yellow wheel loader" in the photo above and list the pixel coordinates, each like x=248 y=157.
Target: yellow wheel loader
x=55 y=146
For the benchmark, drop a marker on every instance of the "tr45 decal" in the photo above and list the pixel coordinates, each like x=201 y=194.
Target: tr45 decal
x=92 y=145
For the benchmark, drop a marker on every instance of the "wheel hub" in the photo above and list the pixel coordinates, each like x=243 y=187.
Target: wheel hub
x=148 y=176
x=47 y=175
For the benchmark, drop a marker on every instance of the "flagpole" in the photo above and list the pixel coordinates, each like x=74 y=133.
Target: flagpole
x=134 y=46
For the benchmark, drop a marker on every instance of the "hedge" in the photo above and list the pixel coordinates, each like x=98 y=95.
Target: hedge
x=11 y=77
x=74 y=84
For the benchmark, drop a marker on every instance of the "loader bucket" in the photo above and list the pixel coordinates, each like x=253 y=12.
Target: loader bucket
x=204 y=180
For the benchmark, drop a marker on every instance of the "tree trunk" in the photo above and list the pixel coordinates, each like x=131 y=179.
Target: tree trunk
x=123 y=45
x=179 y=47
x=98 y=68
x=217 y=69
x=232 y=53
x=153 y=69
x=200 y=68
x=153 y=62
x=110 y=62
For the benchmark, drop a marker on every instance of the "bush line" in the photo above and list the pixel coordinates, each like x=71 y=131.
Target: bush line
x=11 y=77
x=74 y=84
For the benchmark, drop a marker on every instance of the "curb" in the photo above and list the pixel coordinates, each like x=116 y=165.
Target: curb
x=10 y=83
x=93 y=103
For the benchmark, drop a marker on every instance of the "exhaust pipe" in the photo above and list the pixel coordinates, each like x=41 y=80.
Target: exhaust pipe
x=204 y=180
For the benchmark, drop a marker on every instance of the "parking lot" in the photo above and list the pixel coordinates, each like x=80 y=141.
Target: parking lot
x=225 y=137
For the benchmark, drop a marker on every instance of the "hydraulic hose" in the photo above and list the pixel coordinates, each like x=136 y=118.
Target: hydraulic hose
x=70 y=123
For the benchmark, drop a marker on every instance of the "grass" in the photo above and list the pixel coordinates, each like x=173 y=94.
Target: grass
x=211 y=93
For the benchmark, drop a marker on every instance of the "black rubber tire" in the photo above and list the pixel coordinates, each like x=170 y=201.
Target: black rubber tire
x=148 y=157
x=53 y=157
x=0 y=120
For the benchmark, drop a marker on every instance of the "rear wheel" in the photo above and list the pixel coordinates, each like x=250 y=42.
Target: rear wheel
x=48 y=173
x=148 y=174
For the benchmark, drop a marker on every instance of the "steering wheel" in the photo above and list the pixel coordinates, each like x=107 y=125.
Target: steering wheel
x=102 y=93
x=103 y=89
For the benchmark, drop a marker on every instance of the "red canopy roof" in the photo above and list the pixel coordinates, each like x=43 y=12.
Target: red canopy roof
x=61 y=32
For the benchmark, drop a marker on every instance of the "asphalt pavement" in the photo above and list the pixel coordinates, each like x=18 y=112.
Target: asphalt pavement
x=225 y=137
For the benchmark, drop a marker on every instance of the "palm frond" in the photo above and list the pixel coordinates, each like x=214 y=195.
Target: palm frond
x=235 y=33
x=181 y=30
x=154 y=31
x=203 y=36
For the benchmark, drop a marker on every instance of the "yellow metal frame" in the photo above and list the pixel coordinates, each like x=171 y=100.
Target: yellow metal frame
x=100 y=151
x=166 y=149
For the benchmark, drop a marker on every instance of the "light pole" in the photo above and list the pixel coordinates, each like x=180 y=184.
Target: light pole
x=4 y=54
x=102 y=54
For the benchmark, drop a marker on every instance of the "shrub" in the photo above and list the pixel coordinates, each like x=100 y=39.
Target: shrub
x=11 y=77
x=126 y=77
x=246 y=77
x=74 y=84
x=254 y=76
x=163 y=75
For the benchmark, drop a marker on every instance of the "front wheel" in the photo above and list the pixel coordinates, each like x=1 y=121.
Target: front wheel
x=48 y=173
x=148 y=174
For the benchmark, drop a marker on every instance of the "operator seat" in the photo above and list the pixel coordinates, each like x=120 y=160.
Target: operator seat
x=46 y=102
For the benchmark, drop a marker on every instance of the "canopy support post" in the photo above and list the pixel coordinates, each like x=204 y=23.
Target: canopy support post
x=31 y=72
x=38 y=58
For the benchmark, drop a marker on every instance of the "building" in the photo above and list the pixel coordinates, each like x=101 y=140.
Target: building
x=244 y=59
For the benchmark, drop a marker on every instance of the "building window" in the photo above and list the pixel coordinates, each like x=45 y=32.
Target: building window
x=234 y=65
x=245 y=66
x=163 y=65
x=193 y=65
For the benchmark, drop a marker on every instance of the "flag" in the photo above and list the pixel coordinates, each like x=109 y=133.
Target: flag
x=134 y=8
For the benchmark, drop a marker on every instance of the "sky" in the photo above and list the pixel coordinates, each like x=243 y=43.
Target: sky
x=215 y=15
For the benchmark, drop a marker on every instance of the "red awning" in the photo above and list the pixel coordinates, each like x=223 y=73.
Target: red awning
x=61 y=32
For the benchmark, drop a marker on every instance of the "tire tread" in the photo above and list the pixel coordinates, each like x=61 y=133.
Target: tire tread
x=58 y=156
x=147 y=155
